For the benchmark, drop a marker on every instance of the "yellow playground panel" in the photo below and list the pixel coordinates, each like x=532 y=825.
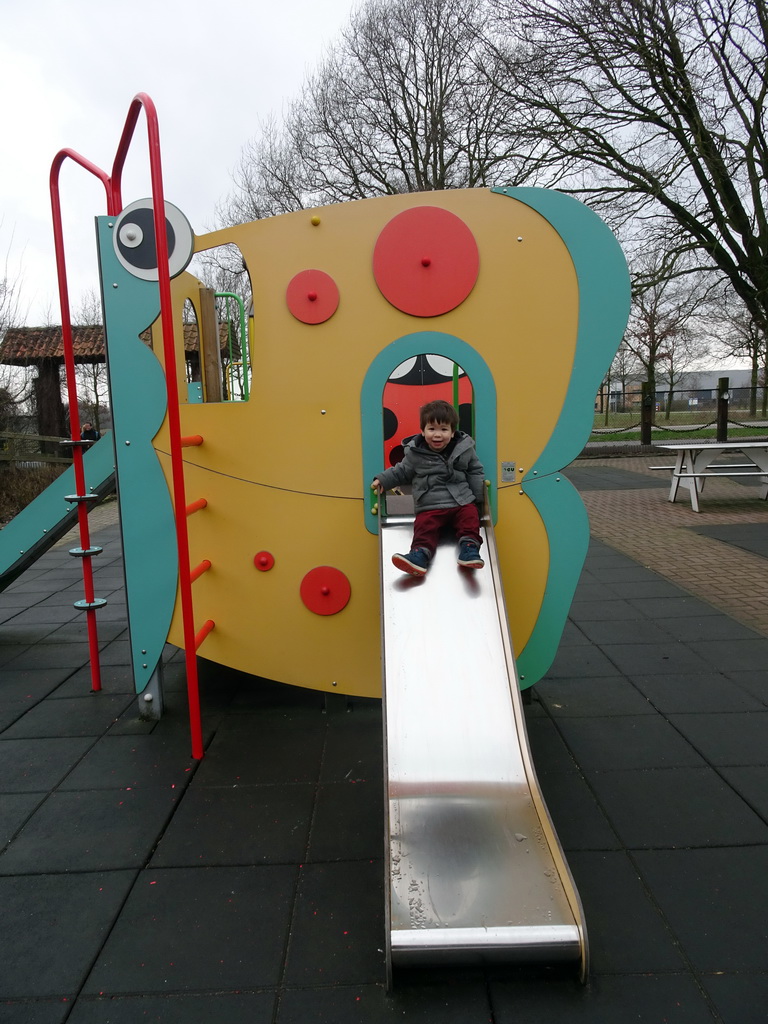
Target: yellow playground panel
x=525 y=289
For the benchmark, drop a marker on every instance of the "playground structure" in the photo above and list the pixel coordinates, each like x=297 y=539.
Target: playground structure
x=262 y=509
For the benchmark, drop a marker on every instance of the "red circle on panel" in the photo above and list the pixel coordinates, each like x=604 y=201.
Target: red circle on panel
x=263 y=561
x=325 y=590
x=312 y=296
x=426 y=261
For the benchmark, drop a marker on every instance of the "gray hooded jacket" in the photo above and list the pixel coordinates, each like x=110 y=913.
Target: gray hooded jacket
x=439 y=479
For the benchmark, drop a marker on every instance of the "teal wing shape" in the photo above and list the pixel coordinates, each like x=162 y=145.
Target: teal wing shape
x=604 y=299
x=139 y=401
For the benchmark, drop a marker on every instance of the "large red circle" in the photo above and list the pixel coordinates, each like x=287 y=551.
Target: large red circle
x=325 y=590
x=312 y=296
x=426 y=261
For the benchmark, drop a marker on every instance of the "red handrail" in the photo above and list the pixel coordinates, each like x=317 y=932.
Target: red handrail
x=113 y=186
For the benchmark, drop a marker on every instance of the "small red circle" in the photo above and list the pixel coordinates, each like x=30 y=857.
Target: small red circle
x=325 y=590
x=312 y=296
x=263 y=561
x=399 y=261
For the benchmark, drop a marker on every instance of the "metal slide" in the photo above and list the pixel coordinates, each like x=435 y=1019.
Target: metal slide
x=475 y=869
x=50 y=516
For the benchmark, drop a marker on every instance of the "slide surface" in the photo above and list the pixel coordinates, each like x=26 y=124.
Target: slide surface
x=46 y=519
x=475 y=870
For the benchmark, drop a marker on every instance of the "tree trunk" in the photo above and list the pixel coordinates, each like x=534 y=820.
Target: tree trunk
x=51 y=417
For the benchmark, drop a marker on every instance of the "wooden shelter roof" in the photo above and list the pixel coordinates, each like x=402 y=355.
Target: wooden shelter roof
x=27 y=346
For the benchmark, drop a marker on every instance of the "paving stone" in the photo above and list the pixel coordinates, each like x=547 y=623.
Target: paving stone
x=225 y=1007
x=338 y=925
x=676 y=807
x=714 y=901
x=198 y=929
x=94 y=831
x=58 y=924
x=244 y=825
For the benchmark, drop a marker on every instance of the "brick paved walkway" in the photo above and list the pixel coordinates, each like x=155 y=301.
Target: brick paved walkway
x=661 y=535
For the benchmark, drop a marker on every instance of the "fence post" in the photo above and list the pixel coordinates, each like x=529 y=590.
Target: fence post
x=646 y=412
x=722 y=408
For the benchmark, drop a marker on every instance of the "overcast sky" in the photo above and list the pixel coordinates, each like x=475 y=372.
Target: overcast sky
x=68 y=73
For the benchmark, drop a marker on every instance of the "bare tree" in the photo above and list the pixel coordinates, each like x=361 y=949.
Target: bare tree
x=15 y=384
x=739 y=335
x=91 y=375
x=662 y=103
x=400 y=104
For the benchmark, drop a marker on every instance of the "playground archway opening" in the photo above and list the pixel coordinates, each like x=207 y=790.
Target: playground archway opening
x=411 y=371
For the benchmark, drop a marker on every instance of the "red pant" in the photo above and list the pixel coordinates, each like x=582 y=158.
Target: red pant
x=465 y=520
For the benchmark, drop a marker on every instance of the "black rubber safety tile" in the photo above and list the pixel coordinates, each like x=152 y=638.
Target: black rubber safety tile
x=707 y=692
x=589 y=590
x=714 y=901
x=676 y=807
x=754 y=681
x=739 y=998
x=118 y=652
x=90 y=715
x=663 y=658
x=198 y=929
x=114 y=679
x=15 y=808
x=577 y=662
x=656 y=589
x=626 y=932
x=10 y=652
x=242 y=825
x=354 y=746
x=12 y=711
x=609 y=478
x=34 y=1011
x=751 y=783
x=696 y=628
x=573 y=636
x=579 y=822
x=749 y=536
x=102 y=830
x=31 y=684
x=134 y=762
x=51 y=656
x=549 y=752
x=58 y=924
x=38 y=765
x=651 y=998
x=77 y=632
x=348 y=823
x=638 y=630
x=601 y=609
x=265 y=748
x=44 y=618
x=740 y=738
x=735 y=655
x=254 y=693
x=371 y=1004
x=672 y=607
x=624 y=742
x=586 y=698
x=180 y=1008
x=337 y=932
